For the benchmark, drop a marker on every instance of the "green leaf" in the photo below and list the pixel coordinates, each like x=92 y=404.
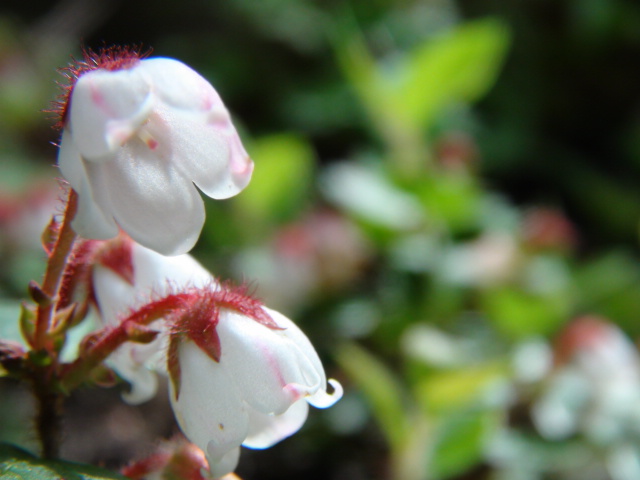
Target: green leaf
x=459 y=66
x=460 y=440
x=18 y=464
x=518 y=314
x=454 y=198
x=363 y=74
x=454 y=389
x=381 y=389
x=281 y=181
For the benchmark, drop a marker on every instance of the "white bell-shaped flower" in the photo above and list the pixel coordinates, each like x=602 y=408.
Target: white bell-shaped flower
x=255 y=395
x=116 y=296
x=137 y=135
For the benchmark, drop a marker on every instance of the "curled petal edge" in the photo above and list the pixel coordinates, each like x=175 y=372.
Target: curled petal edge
x=322 y=399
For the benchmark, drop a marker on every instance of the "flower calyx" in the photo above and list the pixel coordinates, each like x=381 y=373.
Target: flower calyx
x=111 y=58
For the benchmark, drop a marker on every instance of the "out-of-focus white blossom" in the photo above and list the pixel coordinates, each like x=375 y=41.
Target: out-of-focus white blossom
x=138 y=134
x=368 y=194
x=255 y=395
x=488 y=260
x=595 y=390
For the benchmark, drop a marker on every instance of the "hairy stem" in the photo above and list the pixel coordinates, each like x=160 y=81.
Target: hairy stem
x=109 y=339
x=48 y=397
x=53 y=273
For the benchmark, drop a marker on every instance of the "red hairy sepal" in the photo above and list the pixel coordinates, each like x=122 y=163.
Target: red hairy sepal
x=199 y=320
x=117 y=255
x=110 y=58
x=238 y=299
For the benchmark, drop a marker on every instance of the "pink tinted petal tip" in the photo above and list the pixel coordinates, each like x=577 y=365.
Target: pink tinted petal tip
x=240 y=163
x=296 y=391
x=242 y=172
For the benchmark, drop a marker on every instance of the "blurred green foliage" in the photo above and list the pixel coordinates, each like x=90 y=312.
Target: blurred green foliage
x=443 y=190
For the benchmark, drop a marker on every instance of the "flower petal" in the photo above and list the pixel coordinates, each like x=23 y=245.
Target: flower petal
x=107 y=107
x=150 y=200
x=270 y=370
x=267 y=430
x=70 y=161
x=209 y=408
x=322 y=399
x=293 y=333
x=90 y=220
x=177 y=85
x=113 y=294
x=161 y=273
x=207 y=152
x=219 y=466
x=144 y=382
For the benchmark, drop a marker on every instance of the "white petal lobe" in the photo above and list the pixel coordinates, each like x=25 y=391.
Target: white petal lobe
x=106 y=110
x=267 y=430
x=209 y=407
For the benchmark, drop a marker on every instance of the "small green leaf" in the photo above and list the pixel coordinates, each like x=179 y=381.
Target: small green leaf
x=18 y=464
x=281 y=181
x=362 y=72
x=381 y=389
x=459 y=66
x=518 y=314
x=455 y=198
x=454 y=389
x=460 y=440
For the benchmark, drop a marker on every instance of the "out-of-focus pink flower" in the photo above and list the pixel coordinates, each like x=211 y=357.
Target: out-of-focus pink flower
x=546 y=228
x=488 y=260
x=324 y=252
x=138 y=133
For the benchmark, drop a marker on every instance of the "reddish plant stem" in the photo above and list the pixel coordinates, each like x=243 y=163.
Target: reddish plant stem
x=53 y=274
x=48 y=396
x=110 y=339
